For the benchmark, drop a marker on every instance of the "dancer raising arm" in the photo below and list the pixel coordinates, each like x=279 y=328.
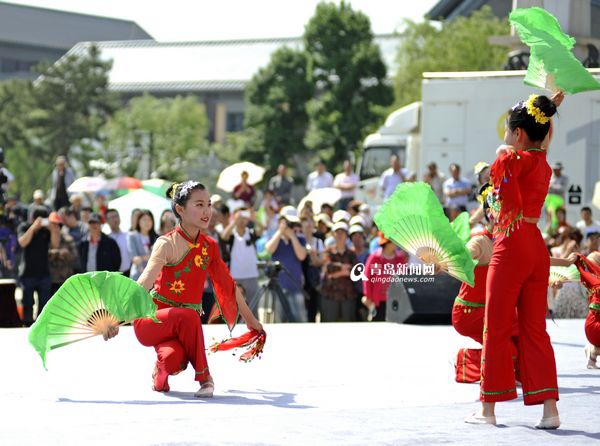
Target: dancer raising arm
x=519 y=268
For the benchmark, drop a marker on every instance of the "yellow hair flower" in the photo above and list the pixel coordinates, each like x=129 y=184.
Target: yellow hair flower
x=482 y=197
x=534 y=111
x=173 y=189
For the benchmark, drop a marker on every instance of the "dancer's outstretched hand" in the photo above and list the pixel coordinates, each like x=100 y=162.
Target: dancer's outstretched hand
x=254 y=324
x=111 y=332
x=557 y=98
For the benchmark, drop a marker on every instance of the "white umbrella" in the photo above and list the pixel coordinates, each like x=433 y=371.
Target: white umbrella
x=326 y=195
x=87 y=184
x=231 y=176
x=139 y=199
x=596 y=198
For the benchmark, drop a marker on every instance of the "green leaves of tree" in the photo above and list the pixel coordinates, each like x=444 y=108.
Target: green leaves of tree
x=458 y=45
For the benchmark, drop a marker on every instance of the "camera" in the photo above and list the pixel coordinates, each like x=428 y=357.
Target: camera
x=272 y=269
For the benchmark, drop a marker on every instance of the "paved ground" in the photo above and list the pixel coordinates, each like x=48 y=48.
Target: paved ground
x=350 y=384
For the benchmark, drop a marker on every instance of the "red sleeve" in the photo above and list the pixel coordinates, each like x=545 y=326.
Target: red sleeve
x=224 y=286
x=505 y=201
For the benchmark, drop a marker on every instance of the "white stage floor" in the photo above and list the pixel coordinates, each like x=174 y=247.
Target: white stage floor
x=317 y=384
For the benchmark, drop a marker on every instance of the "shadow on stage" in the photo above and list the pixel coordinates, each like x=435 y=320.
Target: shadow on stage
x=232 y=397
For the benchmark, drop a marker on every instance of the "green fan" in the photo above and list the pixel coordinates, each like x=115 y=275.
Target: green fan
x=462 y=226
x=553 y=202
x=414 y=219
x=552 y=64
x=88 y=305
x=564 y=274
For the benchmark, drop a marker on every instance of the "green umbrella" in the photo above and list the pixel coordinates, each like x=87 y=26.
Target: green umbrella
x=157 y=186
x=85 y=306
x=552 y=64
x=554 y=202
x=414 y=219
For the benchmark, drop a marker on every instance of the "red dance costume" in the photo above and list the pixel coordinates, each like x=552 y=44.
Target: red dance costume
x=590 y=277
x=468 y=314
x=180 y=266
x=518 y=278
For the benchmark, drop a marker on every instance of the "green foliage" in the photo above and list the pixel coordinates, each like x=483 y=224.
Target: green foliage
x=458 y=45
x=71 y=104
x=61 y=113
x=172 y=131
x=350 y=77
x=276 y=114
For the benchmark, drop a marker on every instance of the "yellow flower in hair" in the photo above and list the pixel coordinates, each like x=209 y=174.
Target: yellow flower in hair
x=482 y=197
x=173 y=189
x=534 y=111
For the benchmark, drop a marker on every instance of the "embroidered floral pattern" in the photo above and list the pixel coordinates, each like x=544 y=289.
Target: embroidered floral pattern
x=202 y=261
x=177 y=287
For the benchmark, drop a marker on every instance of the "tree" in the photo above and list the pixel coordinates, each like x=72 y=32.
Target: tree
x=350 y=76
x=71 y=103
x=458 y=45
x=171 y=133
x=60 y=113
x=276 y=114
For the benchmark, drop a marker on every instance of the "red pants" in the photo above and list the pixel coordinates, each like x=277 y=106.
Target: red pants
x=518 y=278
x=177 y=340
x=470 y=324
x=592 y=328
x=468 y=321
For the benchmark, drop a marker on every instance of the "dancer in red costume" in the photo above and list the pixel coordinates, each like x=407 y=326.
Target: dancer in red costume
x=176 y=272
x=519 y=268
x=589 y=269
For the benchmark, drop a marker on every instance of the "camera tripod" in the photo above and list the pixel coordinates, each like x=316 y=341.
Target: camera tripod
x=272 y=292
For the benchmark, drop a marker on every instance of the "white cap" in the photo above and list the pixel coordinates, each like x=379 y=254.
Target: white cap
x=215 y=198
x=340 y=225
x=356 y=228
x=341 y=216
x=324 y=218
x=290 y=214
x=38 y=194
x=358 y=220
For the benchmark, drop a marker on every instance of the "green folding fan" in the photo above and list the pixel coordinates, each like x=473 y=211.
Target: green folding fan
x=88 y=305
x=564 y=274
x=552 y=64
x=414 y=219
x=462 y=226
x=553 y=202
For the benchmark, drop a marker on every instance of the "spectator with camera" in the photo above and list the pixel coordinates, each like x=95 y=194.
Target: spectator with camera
x=339 y=295
x=98 y=252
x=35 y=239
x=312 y=267
x=72 y=226
x=241 y=238
x=288 y=247
x=62 y=259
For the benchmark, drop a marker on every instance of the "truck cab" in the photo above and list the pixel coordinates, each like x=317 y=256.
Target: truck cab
x=399 y=135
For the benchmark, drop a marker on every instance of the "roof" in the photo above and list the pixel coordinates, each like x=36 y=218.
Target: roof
x=228 y=65
x=448 y=9
x=48 y=28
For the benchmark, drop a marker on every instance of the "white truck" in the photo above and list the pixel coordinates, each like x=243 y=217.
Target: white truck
x=461 y=120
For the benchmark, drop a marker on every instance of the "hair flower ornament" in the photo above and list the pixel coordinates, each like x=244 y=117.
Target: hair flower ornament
x=534 y=111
